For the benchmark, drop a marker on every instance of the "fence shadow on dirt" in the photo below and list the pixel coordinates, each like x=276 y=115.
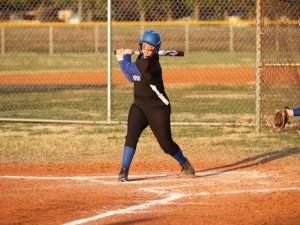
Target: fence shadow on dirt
x=252 y=161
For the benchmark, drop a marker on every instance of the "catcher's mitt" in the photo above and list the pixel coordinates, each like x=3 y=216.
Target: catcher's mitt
x=281 y=118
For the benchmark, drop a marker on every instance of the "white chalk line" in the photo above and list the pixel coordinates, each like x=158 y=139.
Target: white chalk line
x=265 y=190
x=135 y=182
x=139 y=179
x=157 y=190
x=77 y=177
x=171 y=197
x=97 y=179
x=131 y=209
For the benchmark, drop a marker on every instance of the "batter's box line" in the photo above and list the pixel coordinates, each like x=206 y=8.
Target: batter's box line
x=77 y=177
x=255 y=191
x=140 y=178
x=169 y=200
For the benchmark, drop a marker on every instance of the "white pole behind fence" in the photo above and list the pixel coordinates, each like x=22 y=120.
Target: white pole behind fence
x=258 y=65
x=231 y=49
x=96 y=39
x=187 y=37
x=2 y=37
x=109 y=60
x=50 y=40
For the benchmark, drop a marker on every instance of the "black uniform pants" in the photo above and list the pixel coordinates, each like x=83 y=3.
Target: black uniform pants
x=158 y=118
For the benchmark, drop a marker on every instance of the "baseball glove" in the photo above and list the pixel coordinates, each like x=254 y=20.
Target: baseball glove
x=281 y=118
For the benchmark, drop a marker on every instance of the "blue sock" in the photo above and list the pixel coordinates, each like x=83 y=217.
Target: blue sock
x=296 y=111
x=179 y=156
x=128 y=154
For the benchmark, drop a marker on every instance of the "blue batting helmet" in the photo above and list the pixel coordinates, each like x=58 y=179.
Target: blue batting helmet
x=152 y=38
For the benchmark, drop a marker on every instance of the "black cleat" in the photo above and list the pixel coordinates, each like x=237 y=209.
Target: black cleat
x=187 y=168
x=123 y=175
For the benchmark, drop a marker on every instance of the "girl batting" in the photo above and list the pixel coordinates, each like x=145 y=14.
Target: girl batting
x=151 y=105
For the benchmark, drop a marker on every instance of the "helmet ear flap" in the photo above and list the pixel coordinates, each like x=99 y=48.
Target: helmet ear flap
x=156 y=50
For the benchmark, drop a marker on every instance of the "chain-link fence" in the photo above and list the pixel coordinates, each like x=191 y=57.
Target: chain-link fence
x=54 y=58
x=280 y=57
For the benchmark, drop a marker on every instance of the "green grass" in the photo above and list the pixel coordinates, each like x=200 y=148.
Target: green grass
x=190 y=103
x=53 y=143
x=35 y=62
x=68 y=104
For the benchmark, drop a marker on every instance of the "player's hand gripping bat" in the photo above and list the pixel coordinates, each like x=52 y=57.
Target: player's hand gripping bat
x=164 y=52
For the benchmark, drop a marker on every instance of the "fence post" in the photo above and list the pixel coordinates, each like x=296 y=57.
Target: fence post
x=187 y=37
x=109 y=52
x=50 y=40
x=258 y=65
x=96 y=38
x=231 y=49
x=2 y=41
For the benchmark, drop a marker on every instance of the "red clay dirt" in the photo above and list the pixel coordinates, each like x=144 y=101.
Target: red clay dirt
x=90 y=194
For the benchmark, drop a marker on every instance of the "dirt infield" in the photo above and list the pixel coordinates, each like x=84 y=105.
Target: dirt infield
x=202 y=75
x=90 y=194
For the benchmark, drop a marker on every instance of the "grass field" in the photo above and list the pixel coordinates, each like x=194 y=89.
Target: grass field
x=190 y=103
x=34 y=143
x=33 y=62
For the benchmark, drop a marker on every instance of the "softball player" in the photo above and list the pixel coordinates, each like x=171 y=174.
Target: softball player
x=151 y=104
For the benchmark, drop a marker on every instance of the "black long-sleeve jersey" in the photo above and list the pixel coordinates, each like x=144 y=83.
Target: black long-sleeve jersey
x=146 y=73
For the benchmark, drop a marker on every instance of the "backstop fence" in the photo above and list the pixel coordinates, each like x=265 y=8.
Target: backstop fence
x=280 y=62
x=56 y=62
